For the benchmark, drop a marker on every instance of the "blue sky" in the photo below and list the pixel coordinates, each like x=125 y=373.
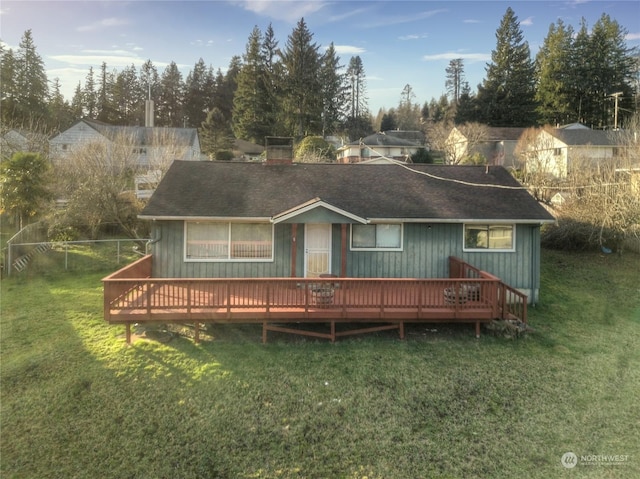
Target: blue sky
x=399 y=42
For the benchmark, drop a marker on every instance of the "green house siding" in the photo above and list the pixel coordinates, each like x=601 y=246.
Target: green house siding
x=426 y=249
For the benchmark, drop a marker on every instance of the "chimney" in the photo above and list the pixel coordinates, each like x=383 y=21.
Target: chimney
x=148 y=113
x=279 y=150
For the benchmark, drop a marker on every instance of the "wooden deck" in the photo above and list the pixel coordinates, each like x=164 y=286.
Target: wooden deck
x=131 y=296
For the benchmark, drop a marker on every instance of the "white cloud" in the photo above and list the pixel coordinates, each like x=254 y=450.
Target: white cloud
x=287 y=10
x=471 y=20
x=474 y=57
x=527 y=22
x=348 y=49
x=102 y=24
x=399 y=19
x=633 y=36
x=414 y=36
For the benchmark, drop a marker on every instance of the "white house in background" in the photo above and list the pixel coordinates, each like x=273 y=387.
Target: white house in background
x=149 y=144
x=247 y=151
x=496 y=144
x=15 y=140
x=559 y=150
x=379 y=146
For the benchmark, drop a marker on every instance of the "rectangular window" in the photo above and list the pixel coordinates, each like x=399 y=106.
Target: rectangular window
x=222 y=241
x=376 y=237
x=557 y=151
x=489 y=237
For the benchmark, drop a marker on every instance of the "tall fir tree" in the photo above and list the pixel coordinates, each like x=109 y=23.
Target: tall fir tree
x=334 y=91
x=196 y=94
x=302 y=89
x=601 y=66
x=553 y=72
x=32 y=89
x=250 y=102
x=455 y=79
x=126 y=97
x=507 y=94
x=170 y=97
x=8 y=86
x=358 y=122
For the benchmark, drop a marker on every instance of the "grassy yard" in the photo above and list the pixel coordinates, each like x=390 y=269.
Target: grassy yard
x=78 y=403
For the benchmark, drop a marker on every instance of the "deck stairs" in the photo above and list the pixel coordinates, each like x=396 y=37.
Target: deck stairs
x=22 y=262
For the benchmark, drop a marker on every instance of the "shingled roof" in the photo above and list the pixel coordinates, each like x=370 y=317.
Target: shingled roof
x=434 y=193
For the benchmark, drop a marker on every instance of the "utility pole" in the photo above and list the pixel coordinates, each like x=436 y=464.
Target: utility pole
x=615 y=121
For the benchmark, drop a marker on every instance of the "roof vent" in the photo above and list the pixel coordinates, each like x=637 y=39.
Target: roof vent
x=279 y=150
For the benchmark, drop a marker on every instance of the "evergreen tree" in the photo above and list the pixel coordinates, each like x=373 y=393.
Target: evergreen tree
x=358 y=123
x=77 y=102
x=274 y=74
x=389 y=121
x=90 y=95
x=24 y=183
x=357 y=95
x=601 y=65
x=196 y=94
x=250 y=102
x=408 y=112
x=225 y=89
x=8 y=87
x=127 y=97
x=216 y=134
x=170 y=97
x=302 y=89
x=466 y=110
x=106 y=109
x=31 y=85
x=59 y=110
x=333 y=92
x=507 y=94
x=553 y=71
x=455 y=79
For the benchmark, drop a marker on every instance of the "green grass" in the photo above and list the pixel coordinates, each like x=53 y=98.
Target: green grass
x=78 y=402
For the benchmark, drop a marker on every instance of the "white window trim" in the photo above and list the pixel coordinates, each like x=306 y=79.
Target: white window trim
x=490 y=250
x=227 y=260
x=401 y=248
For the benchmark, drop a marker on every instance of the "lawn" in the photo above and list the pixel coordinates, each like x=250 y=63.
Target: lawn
x=77 y=402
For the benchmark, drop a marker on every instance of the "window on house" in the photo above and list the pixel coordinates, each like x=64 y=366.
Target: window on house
x=557 y=151
x=489 y=237
x=376 y=237
x=223 y=241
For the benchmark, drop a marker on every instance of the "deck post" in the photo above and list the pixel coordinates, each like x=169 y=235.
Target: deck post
x=343 y=251
x=264 y=332
x=196 y=330
x=128 y=333
x=478 y=329
x=333 y=331
x=294 y=248
x=401 y=328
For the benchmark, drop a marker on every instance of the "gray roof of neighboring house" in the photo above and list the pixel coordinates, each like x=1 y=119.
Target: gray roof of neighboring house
x=421 y=192
x=380 y=139
x=142 y=135
x=584 y=137
x=495 y=133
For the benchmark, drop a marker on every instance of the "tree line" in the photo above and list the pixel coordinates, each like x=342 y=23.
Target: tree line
x=299 y=90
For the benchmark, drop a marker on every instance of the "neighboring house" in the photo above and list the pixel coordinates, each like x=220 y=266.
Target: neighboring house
x=497 y=145
x=415 y=136
x=150 y=145
x=16 y=140
x=247 y=151
x=402 y=221
x=558 y=150
x=377 y=146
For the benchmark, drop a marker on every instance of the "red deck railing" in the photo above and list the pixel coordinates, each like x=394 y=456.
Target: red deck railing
x=470 y=295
